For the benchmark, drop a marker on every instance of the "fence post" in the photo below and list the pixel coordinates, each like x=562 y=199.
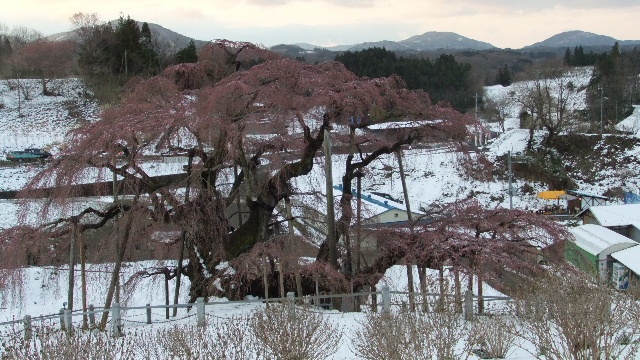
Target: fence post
x=67 y=320
x=92 y=316
x=61 y=318
x=200 y=307
x=115 y=320
x=27 y=328
x=149 y=313
x=468 y=305
x=386 y=300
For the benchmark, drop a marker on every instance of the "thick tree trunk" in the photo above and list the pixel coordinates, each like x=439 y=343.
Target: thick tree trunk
x=83 y=280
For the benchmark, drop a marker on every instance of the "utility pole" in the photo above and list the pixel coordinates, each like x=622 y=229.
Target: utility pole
x=510 y=181
x=412 y=302
x=72 y=264
x=601 y=109
x=331 y=227
x=476 y=96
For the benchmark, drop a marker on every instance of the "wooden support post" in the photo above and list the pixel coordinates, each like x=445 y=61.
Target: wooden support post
x=359 y=223
x=116 y=326
x=468 y=305
x=411 y=288
x=149 y=313
x=183 y=237
x=61 y=317
x=92 y=316
x=72 y=264
x=458 y=291
x=166 y=293
x=83 y=281
x=281 y=279
x=480 y=296
x=331 y=227
x=200 y=308
x=265 y=278
x=374 y=299
x=68 y=324
x=28 y=331
x=422 y=277
x=386 y=300
x=405 y=190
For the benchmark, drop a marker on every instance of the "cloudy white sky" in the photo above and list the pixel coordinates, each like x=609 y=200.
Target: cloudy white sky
x=503 y=23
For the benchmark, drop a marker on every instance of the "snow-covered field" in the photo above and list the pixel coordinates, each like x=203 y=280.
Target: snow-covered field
x=42 y=121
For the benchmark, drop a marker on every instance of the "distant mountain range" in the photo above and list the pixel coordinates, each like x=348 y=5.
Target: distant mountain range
x=429 y=41
x=575 y=38
x=434 y=40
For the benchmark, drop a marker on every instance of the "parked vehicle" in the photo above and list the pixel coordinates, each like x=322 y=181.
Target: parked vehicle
x=28 y=155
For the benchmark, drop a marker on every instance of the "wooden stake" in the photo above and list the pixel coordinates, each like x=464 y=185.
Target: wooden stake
x=331 y=227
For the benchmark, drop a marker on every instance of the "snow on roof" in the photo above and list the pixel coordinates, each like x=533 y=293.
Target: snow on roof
x=598 y=240
x=617 y=215
x=584 y=194
x=629 y=258
x=401 y=124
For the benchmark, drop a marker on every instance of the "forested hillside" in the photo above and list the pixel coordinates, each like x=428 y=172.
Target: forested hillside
x=444 y=78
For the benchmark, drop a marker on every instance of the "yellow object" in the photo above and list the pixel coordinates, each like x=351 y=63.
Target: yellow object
x=551 y=195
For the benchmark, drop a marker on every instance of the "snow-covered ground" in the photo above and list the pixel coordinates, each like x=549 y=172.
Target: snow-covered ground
x=43 y=291
x=42 y=121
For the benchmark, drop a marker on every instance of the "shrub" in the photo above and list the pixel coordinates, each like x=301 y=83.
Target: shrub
x=494 y=336
x=572 y=317
x=289 y=332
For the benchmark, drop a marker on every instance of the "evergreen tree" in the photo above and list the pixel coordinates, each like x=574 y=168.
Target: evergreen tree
x=568 y=57
x=504 y=76
x=188 y=54
x=444 y=79
x=614 y=86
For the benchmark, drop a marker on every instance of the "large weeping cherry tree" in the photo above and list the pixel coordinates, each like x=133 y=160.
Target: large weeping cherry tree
x=250 y=123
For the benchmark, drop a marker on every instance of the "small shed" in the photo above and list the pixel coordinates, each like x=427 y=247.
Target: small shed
x=623 y=219
x=593 y=247
x=629 y=260
x=587 y=200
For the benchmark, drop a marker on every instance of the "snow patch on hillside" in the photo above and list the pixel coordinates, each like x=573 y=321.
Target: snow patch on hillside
x=41 y=121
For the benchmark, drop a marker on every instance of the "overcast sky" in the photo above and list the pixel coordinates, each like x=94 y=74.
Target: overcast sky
x=503 y=23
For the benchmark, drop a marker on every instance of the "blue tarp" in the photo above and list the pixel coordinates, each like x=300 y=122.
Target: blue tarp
x=631 y=198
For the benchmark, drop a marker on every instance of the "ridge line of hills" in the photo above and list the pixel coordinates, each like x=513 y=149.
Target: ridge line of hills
x=429 y=41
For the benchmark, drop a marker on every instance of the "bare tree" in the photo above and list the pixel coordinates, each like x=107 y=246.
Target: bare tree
x=45 y=60
x=547 y=103
x=496 y=110
x=216 y=120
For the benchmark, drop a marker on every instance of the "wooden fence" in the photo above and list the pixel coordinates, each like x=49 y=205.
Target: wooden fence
x=65 y=316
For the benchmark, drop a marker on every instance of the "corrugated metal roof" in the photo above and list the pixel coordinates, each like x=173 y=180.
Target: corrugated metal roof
x=629 y=257
x=596 y=239
x=617 y=215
